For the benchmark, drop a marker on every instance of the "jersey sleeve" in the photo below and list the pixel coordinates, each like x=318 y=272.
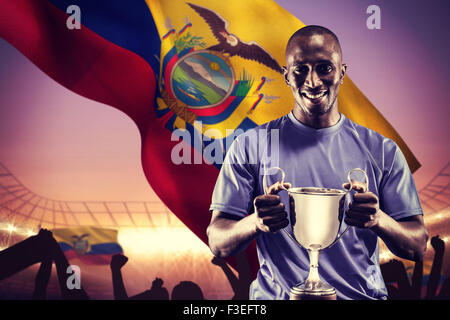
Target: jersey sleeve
x=398 y=194
x=233 y=192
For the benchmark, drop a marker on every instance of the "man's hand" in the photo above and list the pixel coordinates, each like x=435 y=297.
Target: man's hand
x=364 y=210
x=229 y=235
x=157 y=283
x=218 y=261
x=48 y=243
x=270 y=213
x=406 y=237
x=438 y=244
x=118 y=261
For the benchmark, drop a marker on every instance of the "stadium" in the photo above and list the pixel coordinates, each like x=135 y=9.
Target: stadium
x=156 y=242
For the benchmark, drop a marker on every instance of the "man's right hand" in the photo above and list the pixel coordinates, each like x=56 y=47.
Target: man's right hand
x=118 y=261
x=270 y=213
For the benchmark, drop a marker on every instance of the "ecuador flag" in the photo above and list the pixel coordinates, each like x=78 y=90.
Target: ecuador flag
x=90 y=244
x=189 y=73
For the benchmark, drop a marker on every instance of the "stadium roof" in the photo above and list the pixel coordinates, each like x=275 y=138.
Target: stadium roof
x=22 y=207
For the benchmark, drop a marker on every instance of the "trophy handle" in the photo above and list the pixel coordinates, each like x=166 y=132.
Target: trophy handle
x=350 y=180
x=282 y=186
x=350 y=189
x=265 y=178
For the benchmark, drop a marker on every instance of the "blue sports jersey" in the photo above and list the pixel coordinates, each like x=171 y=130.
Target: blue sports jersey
x=316 y=158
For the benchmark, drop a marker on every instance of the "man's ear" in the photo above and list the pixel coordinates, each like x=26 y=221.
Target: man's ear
x=285 y=74
x=343 y=72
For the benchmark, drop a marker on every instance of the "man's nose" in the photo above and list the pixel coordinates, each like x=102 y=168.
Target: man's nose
x=313 y=80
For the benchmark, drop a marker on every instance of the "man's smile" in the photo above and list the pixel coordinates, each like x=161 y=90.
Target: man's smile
x=314 y=98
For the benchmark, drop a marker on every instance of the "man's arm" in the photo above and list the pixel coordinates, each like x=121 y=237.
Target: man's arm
x=416 y=283
x=228 y=235
x=117 y=262
x=406 y=238
x=435 y=274
x=42 y=279
x=62 y=265
x=232 y=279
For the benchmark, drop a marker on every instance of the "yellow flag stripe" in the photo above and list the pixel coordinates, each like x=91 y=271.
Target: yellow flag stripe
x=94 y=235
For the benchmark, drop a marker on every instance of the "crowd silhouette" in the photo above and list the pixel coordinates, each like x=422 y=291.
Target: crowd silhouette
x=241 y=283
x=185 y=290
x=401 y=288
x=43 y=248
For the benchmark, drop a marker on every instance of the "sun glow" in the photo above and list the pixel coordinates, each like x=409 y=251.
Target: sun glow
x=150 y=241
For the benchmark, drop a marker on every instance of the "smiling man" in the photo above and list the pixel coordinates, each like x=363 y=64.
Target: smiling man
x=317 y=147
x=314 y=72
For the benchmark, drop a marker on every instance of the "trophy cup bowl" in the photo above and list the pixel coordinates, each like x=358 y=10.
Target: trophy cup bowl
x=316 y=218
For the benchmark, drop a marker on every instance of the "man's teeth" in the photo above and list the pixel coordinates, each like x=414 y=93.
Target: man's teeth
x=315 y=96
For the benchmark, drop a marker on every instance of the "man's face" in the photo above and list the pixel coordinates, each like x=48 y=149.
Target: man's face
x=314 y=71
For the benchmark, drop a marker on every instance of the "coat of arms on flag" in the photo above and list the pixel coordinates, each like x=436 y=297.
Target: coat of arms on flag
x=215 y=76
x=81 y=244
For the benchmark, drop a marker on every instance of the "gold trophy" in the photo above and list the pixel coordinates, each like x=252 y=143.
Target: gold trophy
x=316 y=218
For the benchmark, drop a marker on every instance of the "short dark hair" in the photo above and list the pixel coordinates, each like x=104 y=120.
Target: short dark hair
x=312 y=30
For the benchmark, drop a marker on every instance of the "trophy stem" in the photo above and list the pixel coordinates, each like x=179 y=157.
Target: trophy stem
x=313 y=288
x=313 y=276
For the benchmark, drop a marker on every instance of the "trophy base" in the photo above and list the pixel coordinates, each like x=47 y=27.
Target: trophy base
x=323 y=292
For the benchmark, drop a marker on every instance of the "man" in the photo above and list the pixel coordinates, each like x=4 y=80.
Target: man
x=317 y=147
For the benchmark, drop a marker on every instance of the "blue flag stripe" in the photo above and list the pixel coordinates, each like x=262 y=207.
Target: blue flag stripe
x=128 y=24
x=101 y=248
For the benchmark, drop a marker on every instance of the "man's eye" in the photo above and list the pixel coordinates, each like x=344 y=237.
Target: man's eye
x=301 y=70
x=324 y=69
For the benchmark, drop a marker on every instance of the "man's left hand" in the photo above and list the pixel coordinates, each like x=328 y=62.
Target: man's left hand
x=364 y=210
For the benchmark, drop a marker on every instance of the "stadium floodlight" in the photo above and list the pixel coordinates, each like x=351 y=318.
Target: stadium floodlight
x=11 y=228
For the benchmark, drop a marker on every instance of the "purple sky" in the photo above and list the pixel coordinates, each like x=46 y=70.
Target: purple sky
x=403 y=68
x=66 y=147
